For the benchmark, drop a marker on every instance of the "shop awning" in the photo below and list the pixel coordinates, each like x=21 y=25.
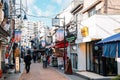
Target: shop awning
x=100 y=27
x=61 y=44
x=111 y=39
x=111 y=46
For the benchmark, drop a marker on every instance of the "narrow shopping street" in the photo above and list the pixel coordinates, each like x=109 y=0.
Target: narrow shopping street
x=79 y=39
x=37 y=72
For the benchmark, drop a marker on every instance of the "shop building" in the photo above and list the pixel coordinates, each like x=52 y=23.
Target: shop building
x=4 y=33
x=95 y=20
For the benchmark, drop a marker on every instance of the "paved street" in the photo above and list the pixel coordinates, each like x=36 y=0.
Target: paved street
x=50 y=73
x=38 y=73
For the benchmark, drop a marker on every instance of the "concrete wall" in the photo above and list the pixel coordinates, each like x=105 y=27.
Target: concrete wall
x=105 y=7
x=118 y=65
x=66 y=13
x=113 y=7
x=87 y=3
x=81 y=57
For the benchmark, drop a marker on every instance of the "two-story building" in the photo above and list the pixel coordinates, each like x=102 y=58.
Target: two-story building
x=95 y=20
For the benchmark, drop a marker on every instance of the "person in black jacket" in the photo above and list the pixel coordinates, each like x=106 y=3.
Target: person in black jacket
x=27 y=60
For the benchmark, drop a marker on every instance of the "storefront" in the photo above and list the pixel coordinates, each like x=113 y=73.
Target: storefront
x=111 y=49
x=74 y=57
x=99 y=27
x=97 y=63
x=3 y=44
x=59 y=52
x=72 y=50
x=74 y=60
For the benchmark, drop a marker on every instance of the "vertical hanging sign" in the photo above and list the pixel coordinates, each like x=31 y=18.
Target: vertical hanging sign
x=17 y=64
x=18 y=34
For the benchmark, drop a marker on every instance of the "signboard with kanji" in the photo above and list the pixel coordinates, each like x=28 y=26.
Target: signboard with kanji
x=17 y=64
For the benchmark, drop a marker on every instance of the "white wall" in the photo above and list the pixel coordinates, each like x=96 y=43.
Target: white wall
x=81 y=57
x=68 y=51
x=118 y=65
x=66 y=13
x=118 y=68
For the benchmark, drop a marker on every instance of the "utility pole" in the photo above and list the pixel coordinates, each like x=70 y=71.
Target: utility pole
x=64 y=44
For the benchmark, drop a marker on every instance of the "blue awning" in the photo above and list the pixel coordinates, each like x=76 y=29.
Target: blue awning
x=109 y=50
x=110 y=46
x=113 y=38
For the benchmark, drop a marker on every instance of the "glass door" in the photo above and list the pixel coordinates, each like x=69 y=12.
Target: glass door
x=74 y=60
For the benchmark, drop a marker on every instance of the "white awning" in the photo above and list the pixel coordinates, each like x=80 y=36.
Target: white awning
x=101 y=26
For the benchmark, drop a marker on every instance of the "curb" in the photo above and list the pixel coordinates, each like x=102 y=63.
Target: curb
x=88 y=78
x=85 y=77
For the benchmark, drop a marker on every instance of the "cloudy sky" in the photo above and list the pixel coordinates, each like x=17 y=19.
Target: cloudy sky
x=43 y=8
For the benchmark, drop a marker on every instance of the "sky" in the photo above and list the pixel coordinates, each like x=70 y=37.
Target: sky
x=44 y=10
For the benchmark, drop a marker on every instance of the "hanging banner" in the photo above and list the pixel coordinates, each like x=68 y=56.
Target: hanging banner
x=18 y=35
x=60 y=35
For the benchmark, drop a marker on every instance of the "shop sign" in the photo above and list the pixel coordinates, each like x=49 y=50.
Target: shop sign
x=56 y=22
x=71 y=38
x=84 y=31
x=17 y=64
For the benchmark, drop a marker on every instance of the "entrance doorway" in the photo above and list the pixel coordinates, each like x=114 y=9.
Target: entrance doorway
x=74 y=60
x=97 y=63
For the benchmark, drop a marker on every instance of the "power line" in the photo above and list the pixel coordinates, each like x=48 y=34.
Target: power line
x=48 y=17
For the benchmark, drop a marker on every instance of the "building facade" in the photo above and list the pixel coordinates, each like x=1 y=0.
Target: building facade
x=95 y=20
x=6 y=30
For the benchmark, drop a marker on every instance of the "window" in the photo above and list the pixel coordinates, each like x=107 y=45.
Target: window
x=91 y=12
x=98 y=11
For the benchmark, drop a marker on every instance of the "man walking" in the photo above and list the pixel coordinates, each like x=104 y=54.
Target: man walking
x=44 y=61
x=27 y=60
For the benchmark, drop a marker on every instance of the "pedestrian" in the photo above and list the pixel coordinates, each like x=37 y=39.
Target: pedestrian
x=34 y=57
x=16 y=52
x=44 y=61
x=22 y=52
x=27 y=60
x=68 y=68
